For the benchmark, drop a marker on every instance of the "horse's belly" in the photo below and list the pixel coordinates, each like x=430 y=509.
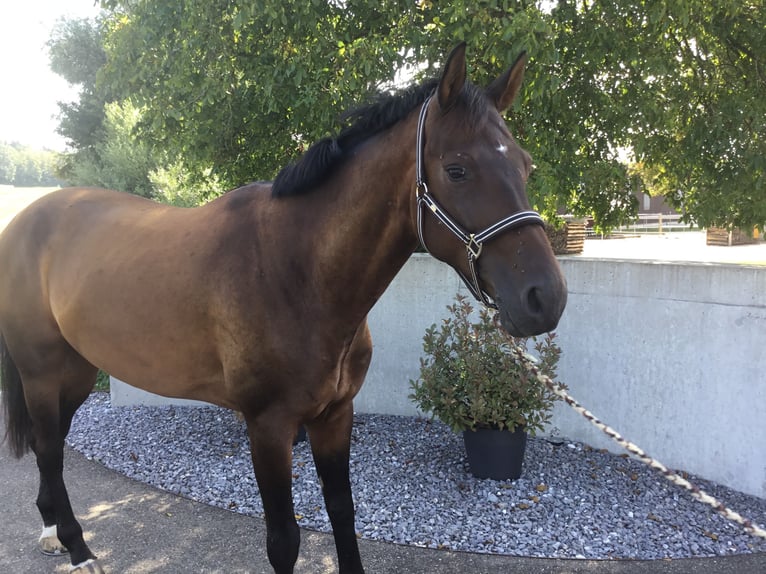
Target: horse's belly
x=147 y=328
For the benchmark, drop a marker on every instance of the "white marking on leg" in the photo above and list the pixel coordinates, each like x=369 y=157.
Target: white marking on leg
x=49 y=542
x=81 y=564
x=49 y=532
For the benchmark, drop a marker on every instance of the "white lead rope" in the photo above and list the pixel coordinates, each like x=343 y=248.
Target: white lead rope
x=695 y=491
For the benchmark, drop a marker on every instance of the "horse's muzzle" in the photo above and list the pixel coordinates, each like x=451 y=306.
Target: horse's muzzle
x=534 y=309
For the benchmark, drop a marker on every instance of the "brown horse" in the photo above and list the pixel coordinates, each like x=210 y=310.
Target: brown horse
x=258 y=300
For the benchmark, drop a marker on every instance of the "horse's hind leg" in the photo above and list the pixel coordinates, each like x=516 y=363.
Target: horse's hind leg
x=53 y=396
x=49 y=542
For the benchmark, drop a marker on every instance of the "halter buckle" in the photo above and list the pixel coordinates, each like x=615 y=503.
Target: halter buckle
x=474 y=247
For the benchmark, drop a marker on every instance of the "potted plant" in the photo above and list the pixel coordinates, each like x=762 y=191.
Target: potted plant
x=470 y=380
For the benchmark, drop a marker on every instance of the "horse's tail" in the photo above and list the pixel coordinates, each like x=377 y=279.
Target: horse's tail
x=18 y=425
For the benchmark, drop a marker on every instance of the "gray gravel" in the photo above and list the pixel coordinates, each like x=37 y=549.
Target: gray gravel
x=412 y=486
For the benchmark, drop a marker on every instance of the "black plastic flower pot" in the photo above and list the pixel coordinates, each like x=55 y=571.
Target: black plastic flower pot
x=494 y=453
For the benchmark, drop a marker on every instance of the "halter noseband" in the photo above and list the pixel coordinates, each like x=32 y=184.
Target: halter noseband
x=474 y=242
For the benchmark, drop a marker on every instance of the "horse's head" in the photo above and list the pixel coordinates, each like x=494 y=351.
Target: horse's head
x=473 y=211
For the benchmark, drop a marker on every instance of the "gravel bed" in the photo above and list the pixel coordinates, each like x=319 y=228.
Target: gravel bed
x=412 y=486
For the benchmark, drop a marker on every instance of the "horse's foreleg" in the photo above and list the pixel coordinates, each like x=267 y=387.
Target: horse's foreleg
x=330 y=437
x=271 y=449
x=330 y=443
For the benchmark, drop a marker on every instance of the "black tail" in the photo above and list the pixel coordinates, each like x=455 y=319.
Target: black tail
x=18 y=425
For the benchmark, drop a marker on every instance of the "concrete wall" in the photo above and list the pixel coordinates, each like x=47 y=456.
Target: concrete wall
x=671 y=355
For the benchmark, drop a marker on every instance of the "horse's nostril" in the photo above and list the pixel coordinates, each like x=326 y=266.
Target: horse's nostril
x=534 y=305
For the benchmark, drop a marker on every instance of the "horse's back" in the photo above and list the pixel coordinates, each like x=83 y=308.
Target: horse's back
x=28 y=243
x=62 y=234
x=66 y=215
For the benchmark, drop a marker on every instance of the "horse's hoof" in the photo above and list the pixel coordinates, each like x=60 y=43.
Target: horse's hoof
x=52 y=546
x=88 y=567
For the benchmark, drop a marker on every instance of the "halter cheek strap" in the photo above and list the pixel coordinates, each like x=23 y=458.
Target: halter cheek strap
x=474 y=242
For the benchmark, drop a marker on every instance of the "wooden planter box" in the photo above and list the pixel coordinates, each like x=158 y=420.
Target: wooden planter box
x=720 y=236
x=567 y=239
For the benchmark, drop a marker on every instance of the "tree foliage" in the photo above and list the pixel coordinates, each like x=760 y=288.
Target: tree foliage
x=235 y=89
x=694 y=77
x=254 y=84
x=118 y=159
x=108 y=149
x=23 y=166
x=76 y=49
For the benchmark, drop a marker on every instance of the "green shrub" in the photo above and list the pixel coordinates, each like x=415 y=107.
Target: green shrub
x=102 y=381
x=470 y=379
x=176 y=185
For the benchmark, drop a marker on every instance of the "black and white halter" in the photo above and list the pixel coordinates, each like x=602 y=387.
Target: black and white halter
x=474 y=242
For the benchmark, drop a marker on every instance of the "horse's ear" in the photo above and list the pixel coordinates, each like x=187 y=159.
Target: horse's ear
x=504 y=89
x=453 y=78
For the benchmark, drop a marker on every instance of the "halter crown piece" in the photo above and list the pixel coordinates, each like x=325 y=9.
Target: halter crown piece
x=474 y=242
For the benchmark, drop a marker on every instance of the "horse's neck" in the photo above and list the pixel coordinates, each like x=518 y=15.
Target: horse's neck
x=366 y=228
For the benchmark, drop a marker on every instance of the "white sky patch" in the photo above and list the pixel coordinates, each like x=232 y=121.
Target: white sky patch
x=30 y=92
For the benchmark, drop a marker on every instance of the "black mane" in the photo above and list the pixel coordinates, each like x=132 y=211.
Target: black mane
x=324 y=156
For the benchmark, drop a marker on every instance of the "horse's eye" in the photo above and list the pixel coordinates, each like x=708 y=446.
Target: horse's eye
x=455 y=172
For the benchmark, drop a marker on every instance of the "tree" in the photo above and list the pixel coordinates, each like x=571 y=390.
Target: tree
x=703 y=128
x=257 y=82
x=24 y=166
x=7 y=164
x=241 y=87
x=118 y=159
x=249 y=90
x=77 y=54
x=102 y=130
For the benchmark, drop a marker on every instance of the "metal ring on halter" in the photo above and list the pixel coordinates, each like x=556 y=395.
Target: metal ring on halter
x=473 y=246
